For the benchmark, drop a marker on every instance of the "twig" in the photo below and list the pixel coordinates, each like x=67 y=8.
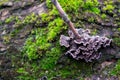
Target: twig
x=65 y=17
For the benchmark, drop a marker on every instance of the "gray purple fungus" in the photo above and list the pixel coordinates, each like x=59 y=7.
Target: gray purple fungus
x=86 y=47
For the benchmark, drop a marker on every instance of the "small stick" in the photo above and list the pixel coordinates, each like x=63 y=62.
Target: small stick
x=65 y=17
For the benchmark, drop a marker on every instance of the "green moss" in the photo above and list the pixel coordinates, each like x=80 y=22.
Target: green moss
x=74 y=70
x=30 y=19
x=119 y=10
x=51 y=58
x=116 y=70
x=103 y=16
x=117 y=41
x=14 y=32
x=94 y=32
x=21 y=23
x=91 y=19
x=22 y=70
x=46 y=17
x=92 y=6
x=9 y=20
x=55 y=27
x=1 y=22
x=3 y=1
x=71 y=5
x=39 y=44
x=6 y=38
x=118 y=29
x=108 y=7
x=51 y=68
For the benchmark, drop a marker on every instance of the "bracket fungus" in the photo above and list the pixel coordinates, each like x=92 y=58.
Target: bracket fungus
x=80 y=44
x=86 y=47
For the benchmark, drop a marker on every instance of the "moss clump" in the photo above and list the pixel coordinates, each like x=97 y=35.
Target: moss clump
x=103 y=16
x=1 y=22
x=94 y=31
x=21 y=23
x=108 y=6
x=9 y=20
x=116 y=70
x=118 y=29
x=51 y=57
x=91 y=19
x=92 y=6
x=46 y=18
x=3 y=1
x=55 y=28
x=29 y=19
x=51 y=68
x=35 y=46
x=117 y=41
x=71 y=5
x=6 y=38
x=42 y=38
